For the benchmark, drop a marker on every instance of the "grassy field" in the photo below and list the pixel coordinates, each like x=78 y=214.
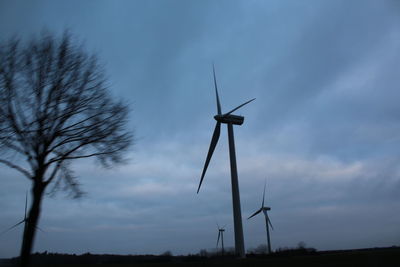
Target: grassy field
x=366 y=258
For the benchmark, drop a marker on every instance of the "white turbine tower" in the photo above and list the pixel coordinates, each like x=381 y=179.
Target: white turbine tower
x=268 y=223
x=230 y=120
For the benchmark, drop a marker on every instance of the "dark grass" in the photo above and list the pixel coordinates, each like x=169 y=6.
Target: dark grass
x=377 y=257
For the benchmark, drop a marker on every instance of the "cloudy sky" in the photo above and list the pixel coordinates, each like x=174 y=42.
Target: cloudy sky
x=324 y=130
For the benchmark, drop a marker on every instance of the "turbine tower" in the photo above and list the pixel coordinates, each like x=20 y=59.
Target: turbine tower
x=268 y=223
x=221 y=231
x=230 y=120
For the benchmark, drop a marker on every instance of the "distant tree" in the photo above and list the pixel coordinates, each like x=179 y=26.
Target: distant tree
x=167 y=253
x=203 y=253
x=301 y=245
x=54 y=108
x=260 y=249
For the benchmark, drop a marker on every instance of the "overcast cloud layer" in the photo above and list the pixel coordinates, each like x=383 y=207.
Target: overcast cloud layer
x=324 y=129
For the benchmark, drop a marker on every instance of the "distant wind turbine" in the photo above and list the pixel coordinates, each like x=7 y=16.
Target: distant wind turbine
x=23 y=221
x=230 y=120
x=268 y=223
x=221 y=231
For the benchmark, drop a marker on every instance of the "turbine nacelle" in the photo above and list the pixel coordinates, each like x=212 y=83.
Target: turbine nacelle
x=233 y=119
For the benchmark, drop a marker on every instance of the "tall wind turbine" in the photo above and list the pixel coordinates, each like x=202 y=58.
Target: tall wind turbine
x=24 y=221
x=230 y=120
x=221 y=231
x=268 y=223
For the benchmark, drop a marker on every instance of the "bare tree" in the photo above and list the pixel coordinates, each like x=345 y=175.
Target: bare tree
x=54 y=108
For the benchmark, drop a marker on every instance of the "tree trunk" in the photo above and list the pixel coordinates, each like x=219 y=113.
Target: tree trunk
x=31 y=223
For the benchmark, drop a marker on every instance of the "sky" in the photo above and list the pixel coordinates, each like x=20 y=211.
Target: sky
x=323 y=132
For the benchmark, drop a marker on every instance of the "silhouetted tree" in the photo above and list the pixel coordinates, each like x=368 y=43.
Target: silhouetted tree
x=167 y=253
x=203 y=253
x=301 y=245
x=260 y=249
x=54 y=108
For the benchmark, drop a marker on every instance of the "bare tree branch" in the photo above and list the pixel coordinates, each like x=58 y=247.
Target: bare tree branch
x=18 y=168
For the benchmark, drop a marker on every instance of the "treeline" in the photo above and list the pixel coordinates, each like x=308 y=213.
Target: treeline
x=356 y=255
x=46 y=258
x=88 y=258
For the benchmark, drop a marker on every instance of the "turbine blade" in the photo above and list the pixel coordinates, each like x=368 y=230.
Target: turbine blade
x=15 y=225
x=269 y=221
x=239 y=107
x=262 y=205
x=213 y=144
x=216 y=92
x=38 y=228
x=219 y=234
x=255 y=213
x=26 y=203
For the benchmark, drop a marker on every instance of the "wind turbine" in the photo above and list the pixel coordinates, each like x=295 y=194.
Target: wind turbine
x=24 y=220
x=268 y=223
x=221 y=231
x=230 y=120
